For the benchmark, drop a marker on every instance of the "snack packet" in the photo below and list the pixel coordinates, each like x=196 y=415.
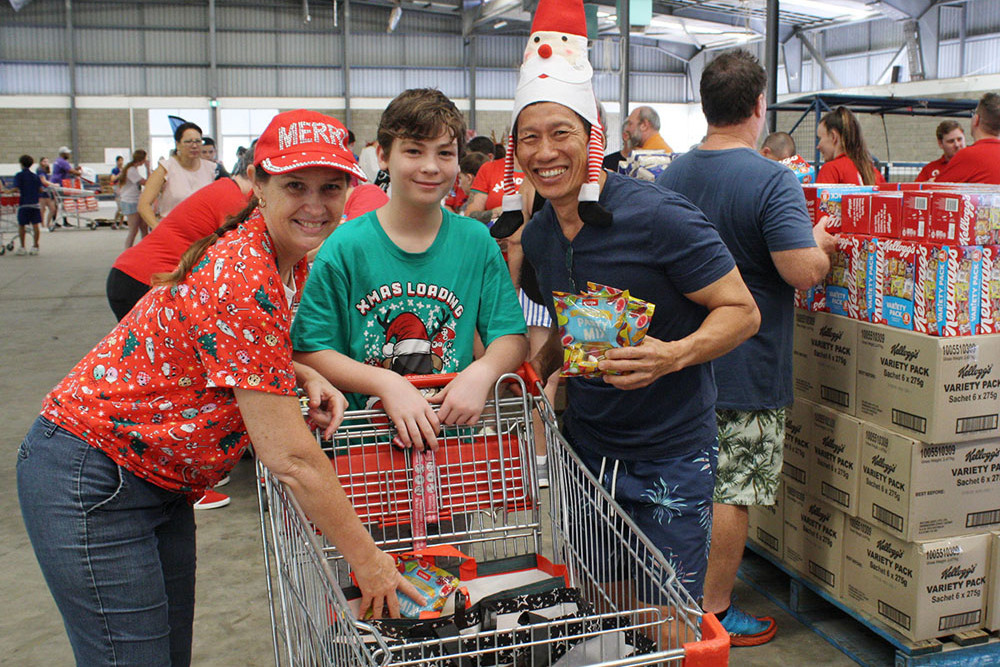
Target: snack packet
x=595 y=321
x=434 y=583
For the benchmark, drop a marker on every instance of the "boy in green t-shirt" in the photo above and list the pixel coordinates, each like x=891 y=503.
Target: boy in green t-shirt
x=404 y=289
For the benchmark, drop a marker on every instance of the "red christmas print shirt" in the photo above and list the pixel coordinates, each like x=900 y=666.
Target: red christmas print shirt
x=156 y=394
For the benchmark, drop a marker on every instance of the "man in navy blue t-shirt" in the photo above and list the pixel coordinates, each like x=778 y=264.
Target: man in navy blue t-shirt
x=649 y=433
x=758 y=207
x=29 y=212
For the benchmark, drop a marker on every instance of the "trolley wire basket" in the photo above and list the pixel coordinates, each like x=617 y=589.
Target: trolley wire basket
x=480 y=495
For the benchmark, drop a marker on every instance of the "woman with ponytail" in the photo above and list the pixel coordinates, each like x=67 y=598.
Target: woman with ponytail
x=163 y=407
x=845 y=155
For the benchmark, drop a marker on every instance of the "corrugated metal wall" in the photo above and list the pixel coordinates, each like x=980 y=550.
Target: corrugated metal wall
x=266 y=49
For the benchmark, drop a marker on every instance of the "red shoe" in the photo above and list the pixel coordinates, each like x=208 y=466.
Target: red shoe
x=211 y=500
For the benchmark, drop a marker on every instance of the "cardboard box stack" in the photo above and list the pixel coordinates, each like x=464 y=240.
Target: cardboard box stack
x=891 y=479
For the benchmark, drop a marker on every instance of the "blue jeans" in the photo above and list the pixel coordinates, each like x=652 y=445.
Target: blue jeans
x=117 y=552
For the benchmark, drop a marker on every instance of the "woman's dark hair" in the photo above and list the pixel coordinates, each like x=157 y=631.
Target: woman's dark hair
x=138 y=157
x=182 y=128
x=847 y=126
x=197 y=250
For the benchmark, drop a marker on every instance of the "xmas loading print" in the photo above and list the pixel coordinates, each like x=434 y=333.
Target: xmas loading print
x=410 y=327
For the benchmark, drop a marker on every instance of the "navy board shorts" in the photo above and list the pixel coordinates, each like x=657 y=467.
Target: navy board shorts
x=29 y=215
x=670 y=500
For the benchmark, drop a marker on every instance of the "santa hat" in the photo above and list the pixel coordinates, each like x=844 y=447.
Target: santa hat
x=410 y=336
x=556 y=69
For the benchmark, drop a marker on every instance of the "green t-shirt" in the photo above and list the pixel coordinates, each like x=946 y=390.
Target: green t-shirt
x=411 y=312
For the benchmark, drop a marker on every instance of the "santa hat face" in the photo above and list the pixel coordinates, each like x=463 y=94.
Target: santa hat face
x=556 y=69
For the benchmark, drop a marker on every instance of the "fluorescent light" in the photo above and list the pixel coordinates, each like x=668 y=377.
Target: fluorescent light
x=499 y=24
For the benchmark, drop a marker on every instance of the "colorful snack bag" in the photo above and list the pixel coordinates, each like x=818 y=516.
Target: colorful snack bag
x=595 y=321
x=435 y=584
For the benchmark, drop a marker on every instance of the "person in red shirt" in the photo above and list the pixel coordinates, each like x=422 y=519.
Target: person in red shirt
x=845 y=155
x=164 y=406
x=980 y=162
x=196 y=217
x=951 y=139
x=487 y=191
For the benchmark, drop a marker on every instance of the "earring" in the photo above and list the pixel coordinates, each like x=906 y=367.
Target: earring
x=261 y=203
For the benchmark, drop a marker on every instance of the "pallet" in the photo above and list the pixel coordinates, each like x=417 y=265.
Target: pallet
x=865 y=640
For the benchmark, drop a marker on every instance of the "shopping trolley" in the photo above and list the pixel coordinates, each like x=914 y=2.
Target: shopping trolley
x=486 y=503
x=74 y=201
x=8 y=220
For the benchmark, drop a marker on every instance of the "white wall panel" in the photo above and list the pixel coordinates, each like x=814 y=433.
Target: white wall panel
x=25 y=79
x=500 y=51
x=104 y=80
x=247 y=48
x=176 y=81
x=249 y=81
x=495 y=84
x=311 y=82
x=109 y=46
x=176 y=46
x=189 y=14
x=657 y=87
x=33 y=44
x=310 y=49
x=105 y=14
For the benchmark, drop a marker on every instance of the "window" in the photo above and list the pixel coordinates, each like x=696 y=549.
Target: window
x=239 y=127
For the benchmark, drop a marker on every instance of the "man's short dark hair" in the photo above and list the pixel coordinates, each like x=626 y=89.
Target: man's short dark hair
x=481 y=144
x=420 y=114
x=947 y=127
x=26 y=161
x=730 y=86
x=781 y=144
x=989 y=113
x=207 y=141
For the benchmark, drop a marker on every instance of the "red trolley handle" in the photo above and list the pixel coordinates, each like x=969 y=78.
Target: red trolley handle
x=526 y=372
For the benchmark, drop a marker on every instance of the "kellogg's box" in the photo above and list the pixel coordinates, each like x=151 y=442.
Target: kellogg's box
x=886 y=215
x=916 y=215
x=989 y=306
x=948 y=294
x=825 y=200
x=855 y=213
x=841 y=287
x=962 y=218
x=895 y=280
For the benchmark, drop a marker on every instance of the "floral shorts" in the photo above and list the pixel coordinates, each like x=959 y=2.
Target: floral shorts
x=751 y=444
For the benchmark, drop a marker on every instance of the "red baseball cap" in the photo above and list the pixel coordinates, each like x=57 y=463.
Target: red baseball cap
x=300 y=139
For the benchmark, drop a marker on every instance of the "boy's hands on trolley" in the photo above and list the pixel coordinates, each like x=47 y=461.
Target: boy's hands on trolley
x=379 y=581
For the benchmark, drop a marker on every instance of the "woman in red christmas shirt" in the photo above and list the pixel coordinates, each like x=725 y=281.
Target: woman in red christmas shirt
x=164 y=406
x=845 y=155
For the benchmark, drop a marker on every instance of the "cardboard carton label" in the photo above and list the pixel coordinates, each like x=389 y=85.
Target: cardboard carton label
x=855 y=213
x=798 y=435
x=939 y=390
x=835 y=453
x=922 y=590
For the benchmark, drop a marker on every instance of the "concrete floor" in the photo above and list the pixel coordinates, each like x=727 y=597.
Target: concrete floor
x=52 y=311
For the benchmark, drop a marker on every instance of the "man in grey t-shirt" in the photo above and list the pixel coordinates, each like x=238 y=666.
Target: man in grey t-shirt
x=758 y=208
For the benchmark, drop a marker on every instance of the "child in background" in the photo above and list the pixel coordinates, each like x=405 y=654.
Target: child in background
x=29 y=211
x=405 y=288
x=468 y=168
